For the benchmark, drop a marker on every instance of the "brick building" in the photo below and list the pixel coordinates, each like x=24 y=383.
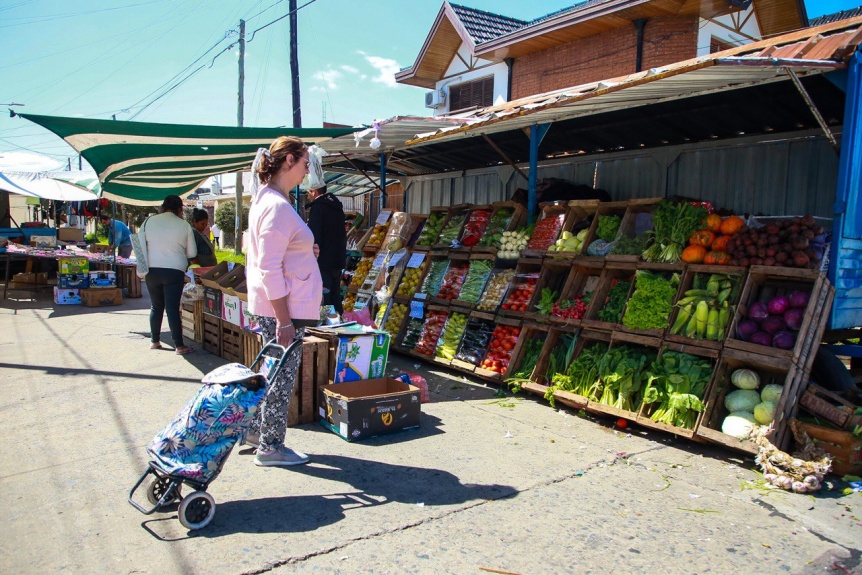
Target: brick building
x=473 y=59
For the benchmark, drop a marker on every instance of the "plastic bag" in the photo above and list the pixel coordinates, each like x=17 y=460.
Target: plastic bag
x=192 y=292
x=315 y=178
x=418 y=381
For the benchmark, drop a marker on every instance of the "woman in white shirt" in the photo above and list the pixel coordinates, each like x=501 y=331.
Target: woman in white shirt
x=170 y=246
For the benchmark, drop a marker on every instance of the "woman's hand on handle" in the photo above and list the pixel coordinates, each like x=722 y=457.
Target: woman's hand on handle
x=284 y=334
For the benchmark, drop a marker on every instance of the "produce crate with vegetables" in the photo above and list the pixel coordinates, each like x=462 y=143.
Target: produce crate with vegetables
x=576 y=228
x=433 y=280
x=604 y=229
x=524 y=361
x=431 y=229
x=450 y=233
x=745 y=393
x=495 y=289
x=577 y=294
x=558 y=349
x=417 y=223
x=435 y=319
x=573 y=383
x=474 y=343
x=394 y=320
x=349 y=301
x=649 y=306
x=677 y=384
x=478 y=218
x=512 y=243
x=505 y=216
x=553 y=280
x=706 y=305
x=608 y=301
x=410 y=333
x=775 y=311
x=673 y=225
x=414 y=274
x=795 y=242
x=636 y=231
x=453 y=279
x=622 y=379
x=478 y=273
x=450 y=338
x=504 y=341
x=522 y=288
x=376 y=235
x=548 y=227
x=361 y=271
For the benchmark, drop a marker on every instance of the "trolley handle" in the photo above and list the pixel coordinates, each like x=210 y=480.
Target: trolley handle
x=285 y=353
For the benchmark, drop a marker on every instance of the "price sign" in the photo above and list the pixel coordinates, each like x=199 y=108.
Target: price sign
x=419 y=295
x=416 y=260
x=396 y=257
x=378 y=261
x=417 y=309
x=383 y=217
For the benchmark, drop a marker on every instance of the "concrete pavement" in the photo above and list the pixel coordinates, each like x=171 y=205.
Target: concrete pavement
x=487 y=485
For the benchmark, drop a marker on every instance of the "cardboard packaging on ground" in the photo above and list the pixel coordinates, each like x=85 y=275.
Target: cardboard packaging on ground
x=63 y=296
x=74 y=265
x=103 y=279
x=73 y=280
x=31 y=278
x=99 y=297
x=359 y=353
x=230 y=309
x=368 y=408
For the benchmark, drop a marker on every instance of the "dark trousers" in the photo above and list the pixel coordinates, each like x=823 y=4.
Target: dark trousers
x=332 y=282
x=166 y=288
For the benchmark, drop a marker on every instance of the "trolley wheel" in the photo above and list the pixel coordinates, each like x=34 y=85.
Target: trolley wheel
x=197 y=510
x=157 y=489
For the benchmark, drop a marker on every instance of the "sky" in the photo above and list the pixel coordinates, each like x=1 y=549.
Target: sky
x=169 y=61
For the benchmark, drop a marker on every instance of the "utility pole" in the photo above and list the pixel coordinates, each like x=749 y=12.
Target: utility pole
x=240 y=103
x=294 y=68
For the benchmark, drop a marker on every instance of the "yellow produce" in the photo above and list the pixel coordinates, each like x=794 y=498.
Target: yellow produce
x=395 y=319
x=361 y=271
x=377 y=234
x=410 y=280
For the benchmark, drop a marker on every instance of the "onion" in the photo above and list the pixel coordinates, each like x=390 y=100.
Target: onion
x=761 y=338
x=799 y=299
x=793 y=318
x=784 y=340
x=745 y=328
x=773 y=324
x=758 y=311
x=778 y=305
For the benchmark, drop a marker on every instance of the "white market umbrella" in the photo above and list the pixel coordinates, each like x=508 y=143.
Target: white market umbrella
x=38 y=186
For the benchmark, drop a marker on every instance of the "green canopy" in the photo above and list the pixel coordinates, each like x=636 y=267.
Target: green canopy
x=141 y=163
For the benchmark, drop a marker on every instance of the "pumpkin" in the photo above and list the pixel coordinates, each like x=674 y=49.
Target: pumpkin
x=713 y=222
x=717 y=259
x=703 y=238
x=693 y=254
x=720 y=244
x=731 y=225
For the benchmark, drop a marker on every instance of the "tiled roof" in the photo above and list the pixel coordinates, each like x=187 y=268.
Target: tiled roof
x=575 y=8
x=484 y=26
x=828 y=18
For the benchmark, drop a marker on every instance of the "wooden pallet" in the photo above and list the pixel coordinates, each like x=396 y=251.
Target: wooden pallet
x=127 y=278
x=251 y=345
x=212 y=334
x=313 y=373
x=192 y=318
x=231 y=342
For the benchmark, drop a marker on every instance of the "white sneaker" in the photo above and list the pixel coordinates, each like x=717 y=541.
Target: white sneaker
x=280 y=457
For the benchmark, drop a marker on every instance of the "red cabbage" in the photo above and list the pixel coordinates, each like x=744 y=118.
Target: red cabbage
x=784 y=340
x=773 y=324
x=793 y=317
x=778 y=305
x=761 y=338
x=758 y=311
x=799 y=299
x=745 y=328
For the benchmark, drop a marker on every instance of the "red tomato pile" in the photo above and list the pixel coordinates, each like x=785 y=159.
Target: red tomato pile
x=503 y=340
x=546 y=232
x=475 y=227
x=431 y=332
x=521 y=293
x=453 y=280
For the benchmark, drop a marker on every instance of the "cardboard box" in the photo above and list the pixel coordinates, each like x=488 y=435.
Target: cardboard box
x=233 y=278
x=74 y=265
x=215 y=273
x=43 y=241
x=102 y=279
x=99 y=297
x=230 y=309
x=64 y=296
x=70 y=235
x=78 y=280
x=363 y=409
x=31 y=278
x=212 y=301
x=247 y=320
x=359 y=354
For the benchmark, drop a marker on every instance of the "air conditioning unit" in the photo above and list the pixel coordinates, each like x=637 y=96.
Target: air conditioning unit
x=435 y=99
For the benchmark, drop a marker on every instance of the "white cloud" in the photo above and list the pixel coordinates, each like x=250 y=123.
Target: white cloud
x=386 y=68
x=349 y=69
x=328 y=77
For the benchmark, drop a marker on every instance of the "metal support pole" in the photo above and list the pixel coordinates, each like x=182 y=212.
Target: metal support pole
x=814 y=111
x=382 y=182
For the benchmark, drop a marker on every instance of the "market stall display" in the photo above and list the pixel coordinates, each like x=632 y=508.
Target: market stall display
x=432 y=228
x=450 y=232
x=474 y=284
x=474 y=343
x=505 y=216
x=451 y=336
x=547 y=230
x=475 y=226
x=453 y=279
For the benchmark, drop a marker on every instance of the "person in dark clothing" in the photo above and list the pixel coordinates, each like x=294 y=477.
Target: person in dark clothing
x=206 y=251
x=326 y=221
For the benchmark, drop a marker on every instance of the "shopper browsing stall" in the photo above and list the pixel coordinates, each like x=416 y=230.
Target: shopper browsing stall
x=119 y=235
x=206 y=252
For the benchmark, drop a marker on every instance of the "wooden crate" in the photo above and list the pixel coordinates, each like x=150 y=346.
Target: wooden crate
x=829 y=406
x=313 y=373
x=417 y=221
x=579 y=217
x=439 y=313
x=737 y=273
x=527 y=273
x=441 y=214
x=211 y=334
x=567 y=397
x=474 y=276
x=453 y=279
x=556 y=276
x=463 y=314
x=479 y=329
x=251 y=345
x=632 y=225
x=583 y=281
x=454 y=224
x=495 y=289
x=532 y=334
x=762 y=284
x=551 y=214
x=655 y=332
x=438 y=261
x=192 y=318
x=612 y=273
x=844 y=447
x=494 y=376
x=127 y=278
x=231 y=342
x=474 y=215
x=516 y=220
x=604 y=209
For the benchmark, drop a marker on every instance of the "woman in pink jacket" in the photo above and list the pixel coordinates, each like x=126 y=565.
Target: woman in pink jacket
x=284 y=286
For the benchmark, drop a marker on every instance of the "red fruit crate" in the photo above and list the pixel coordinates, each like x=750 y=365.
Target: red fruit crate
x=577 y=294
x=552 y=216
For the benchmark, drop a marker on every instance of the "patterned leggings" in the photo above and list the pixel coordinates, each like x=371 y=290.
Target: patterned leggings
x=270 y=421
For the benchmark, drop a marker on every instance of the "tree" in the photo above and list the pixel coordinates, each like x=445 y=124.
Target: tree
x=225 y=217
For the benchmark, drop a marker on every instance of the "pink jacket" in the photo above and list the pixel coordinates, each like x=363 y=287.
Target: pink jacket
x=280 y=259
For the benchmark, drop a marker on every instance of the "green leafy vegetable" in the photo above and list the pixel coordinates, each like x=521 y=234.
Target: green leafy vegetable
x=546 y=301
x=676 y=382
x=652 y=301
x=608 y=227
x=673 y=224
x=616 y=302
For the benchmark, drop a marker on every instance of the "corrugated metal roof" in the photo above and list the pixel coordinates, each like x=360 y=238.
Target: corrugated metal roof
x=484 y=26
x=812 y=51
x=351 y=185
